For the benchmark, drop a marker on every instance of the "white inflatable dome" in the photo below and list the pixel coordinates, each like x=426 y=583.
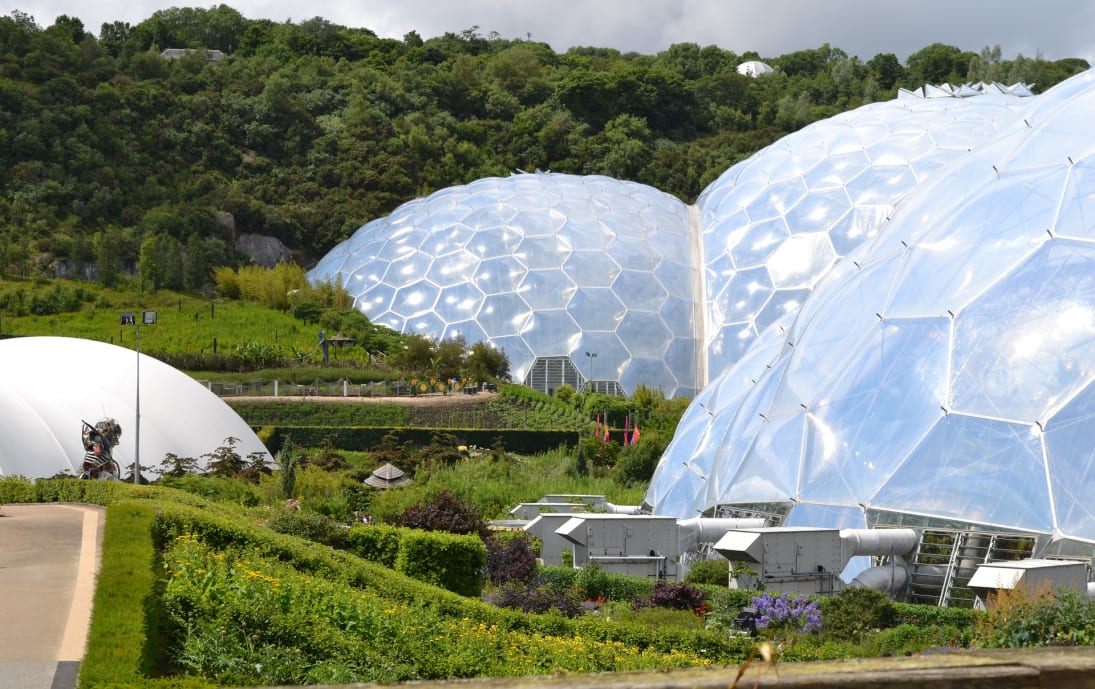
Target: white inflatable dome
x=50 y=385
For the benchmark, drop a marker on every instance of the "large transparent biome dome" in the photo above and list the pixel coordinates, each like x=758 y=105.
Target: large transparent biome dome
x=594 y=281
x=942 y=374
x=776 y=222
x=550 y=268
x=49 y=386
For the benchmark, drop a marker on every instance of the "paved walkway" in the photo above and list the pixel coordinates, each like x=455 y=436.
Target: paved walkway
x=49 y=555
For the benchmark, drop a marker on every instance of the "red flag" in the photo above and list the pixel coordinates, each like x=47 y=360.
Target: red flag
x=635 y=435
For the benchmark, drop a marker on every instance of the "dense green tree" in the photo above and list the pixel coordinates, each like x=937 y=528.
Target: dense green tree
x=307 y=130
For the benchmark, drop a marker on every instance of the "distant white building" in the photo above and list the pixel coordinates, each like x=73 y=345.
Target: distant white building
x=176 y=53
x=754 y=68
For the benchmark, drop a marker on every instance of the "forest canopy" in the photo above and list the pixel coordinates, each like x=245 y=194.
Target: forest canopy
x=115 y=153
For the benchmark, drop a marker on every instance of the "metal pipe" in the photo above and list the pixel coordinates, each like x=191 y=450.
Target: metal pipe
x=877 y=542
x=695 y=530
x=889 y=578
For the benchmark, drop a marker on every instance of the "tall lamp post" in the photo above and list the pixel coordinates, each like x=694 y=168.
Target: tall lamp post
x=147 y=318
x=592 y=356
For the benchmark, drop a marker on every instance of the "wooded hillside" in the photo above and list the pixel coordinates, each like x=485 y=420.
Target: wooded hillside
x=111 y=152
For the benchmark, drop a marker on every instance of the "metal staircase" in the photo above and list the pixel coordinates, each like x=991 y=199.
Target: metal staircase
x=945 y=559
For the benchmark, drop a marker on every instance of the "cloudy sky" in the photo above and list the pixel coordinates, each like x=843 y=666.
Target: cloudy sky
x=1054 y=28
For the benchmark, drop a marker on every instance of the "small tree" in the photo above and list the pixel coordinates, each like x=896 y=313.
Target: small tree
x=224 y=461
x=175 y=466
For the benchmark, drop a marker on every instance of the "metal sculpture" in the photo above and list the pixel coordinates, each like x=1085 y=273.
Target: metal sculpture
x=99 y=442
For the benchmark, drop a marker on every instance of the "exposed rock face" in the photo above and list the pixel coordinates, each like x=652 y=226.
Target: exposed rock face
x=264 y=250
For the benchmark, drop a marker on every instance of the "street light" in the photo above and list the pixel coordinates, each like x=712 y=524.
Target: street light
x=147 y=318
x=592 y=356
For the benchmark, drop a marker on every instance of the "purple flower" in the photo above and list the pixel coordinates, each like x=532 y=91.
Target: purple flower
x=784 y=612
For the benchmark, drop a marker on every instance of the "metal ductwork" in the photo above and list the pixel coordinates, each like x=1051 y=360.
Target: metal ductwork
x=691 y=532
x=878 y=542
x=890 y=578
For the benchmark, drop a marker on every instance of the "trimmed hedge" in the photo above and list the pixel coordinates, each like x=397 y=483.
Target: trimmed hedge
x=451 y=561
x=362 y=439
x=447 y=560
x=378 y=543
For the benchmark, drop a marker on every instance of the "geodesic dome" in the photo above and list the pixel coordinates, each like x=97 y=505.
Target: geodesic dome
x=775 y=223
x=50 y=385
x=939 y=375
x=556 y=268
x=544 y=266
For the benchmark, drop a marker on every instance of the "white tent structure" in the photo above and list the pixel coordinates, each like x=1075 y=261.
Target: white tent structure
x=49 y=385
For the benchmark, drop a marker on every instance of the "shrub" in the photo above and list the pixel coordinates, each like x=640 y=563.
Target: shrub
x=213 y=488
x=711 y=572
x=536 y=599
x=1023 y=618
x=853 y=612
x=510 y=561
x=673 y=596
x=310 y=525
x=444 y=511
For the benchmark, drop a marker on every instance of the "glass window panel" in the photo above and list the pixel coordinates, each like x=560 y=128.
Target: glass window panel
x=504 y=314
x=427 y=324
x=1071 y=456
x=639 y=291
x=856 y=227
x=631 y=254
x=1027 y=344
x=677 y=278
x=953 y=261
x=678 y=314
x=407 y=270
x=783 y=303
x=744 y=296
x=680 y=357
x=500 y=241
x=415 y=299
x=776 y=199
x=591 y=268
x=761 y=241
x=546 y=289
x=469 y=330
x=833 y=170
x=537 y=223
x=881 y=184
x=453 y=268
x=459 y=302
x=801 y=260
x=977 y=470
x=652 y=373
x=540 y=253
x=499 y=275
x=584 y=235
x=730 y=343
x=596 y=308
x=865 y=422
x=817 y=211
x=551 y=333
x=643 y=334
